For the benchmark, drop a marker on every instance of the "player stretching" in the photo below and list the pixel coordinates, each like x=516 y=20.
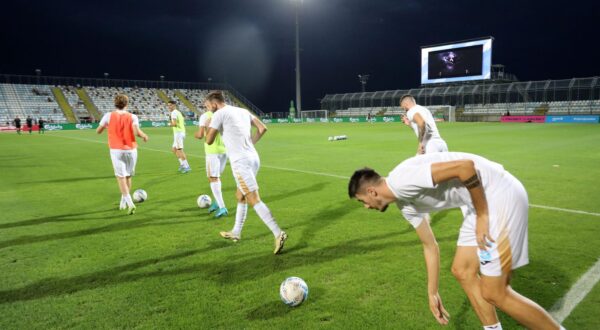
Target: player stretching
x=235 y=125
x=216 y=159
x=122 y=128
x=422 y=122
x=178 y=124
x=493 y=233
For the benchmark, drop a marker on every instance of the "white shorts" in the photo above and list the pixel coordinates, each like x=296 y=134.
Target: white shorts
x=178 y=140
x=436 y=145
x=508 y=208
x=123 y=162
x=215 y=165
x=245 y=171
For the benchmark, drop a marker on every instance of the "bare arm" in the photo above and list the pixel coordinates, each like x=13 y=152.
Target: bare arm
x=210 y=135
x=200 y=132
x=138 y=132
x=432 y=261
x=261 y=129
x=100 y=129
x=421 y=127
x=464 y=170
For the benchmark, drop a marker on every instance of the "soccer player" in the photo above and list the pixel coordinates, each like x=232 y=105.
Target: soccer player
x=122 y=127
x=422 y=122
x=235 y=126
x=18 y=124
x=41 y=123
x=177 y=121
x=29 y=122
x=216 y=159
x=493 y=234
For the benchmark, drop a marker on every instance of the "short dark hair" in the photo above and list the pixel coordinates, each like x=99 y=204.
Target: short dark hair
x=215 y=96
x=172 y=102
x=359 y=178
x=121 y=101
x=406 y=96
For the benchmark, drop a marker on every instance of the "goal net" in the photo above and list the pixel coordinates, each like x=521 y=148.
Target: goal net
x=314 y=115
x=442 y=112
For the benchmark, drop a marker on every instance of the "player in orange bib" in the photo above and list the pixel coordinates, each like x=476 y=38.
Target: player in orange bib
x=122 y=128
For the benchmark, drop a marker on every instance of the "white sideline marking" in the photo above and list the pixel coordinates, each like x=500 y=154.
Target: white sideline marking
x=561 y=309
x=564 y=306
x=329 y=175
x=564 y=210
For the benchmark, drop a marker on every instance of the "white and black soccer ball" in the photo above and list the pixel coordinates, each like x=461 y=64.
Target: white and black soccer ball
x=139 y=195
x=293 y=291
x=203 y=201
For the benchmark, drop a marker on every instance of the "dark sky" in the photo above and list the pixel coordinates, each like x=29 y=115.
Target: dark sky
x=250 y=43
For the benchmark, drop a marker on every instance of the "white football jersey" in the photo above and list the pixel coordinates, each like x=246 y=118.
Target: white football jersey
x=412 y=184
x=431 y=131
x=234 y=125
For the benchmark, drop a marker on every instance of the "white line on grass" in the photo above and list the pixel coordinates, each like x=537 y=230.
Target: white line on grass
x=564 y=306
x=329 y=175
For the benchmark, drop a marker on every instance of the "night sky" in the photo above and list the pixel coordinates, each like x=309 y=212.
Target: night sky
x=250 y=43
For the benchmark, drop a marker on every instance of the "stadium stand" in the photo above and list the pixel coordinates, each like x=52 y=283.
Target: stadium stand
x=77 y=100
x=480 y=101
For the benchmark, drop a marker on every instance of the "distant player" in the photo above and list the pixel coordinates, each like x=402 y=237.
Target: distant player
x=29 y=122
x=216 y=159
x=493 y=233
x=18 y=124
x=41 y=127
x=177 y=121
x=422 y=122
x=122 y=128
x=235 y=125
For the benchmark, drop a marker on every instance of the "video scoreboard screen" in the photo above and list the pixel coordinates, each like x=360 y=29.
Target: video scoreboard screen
x=469 y=60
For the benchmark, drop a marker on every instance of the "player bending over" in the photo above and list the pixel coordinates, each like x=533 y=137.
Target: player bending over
x=122 y=128
x=422 y=122
x=493 y=234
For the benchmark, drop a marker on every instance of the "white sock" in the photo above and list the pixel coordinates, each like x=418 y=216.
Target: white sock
x=180 y=161
x=496 y=326
x=185 y=163
x=216 y=190
x=265 y=215
x=240 y=217
x=562 y=328
x=128 y=200
x=122 y=202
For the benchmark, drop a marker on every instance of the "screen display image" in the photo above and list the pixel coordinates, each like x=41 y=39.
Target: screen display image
x=470 y=60
x=457 y=62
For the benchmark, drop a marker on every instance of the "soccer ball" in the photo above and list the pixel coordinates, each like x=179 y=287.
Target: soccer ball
x=203 y=201
x=293 y=291
x=139 y=195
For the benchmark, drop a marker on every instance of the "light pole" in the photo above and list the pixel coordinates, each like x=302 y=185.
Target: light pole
x=363 y=78
x=106 y=78
x=38 y=73
x=298 y=4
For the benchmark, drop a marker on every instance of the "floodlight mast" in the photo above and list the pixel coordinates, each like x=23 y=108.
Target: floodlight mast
x=298 y=4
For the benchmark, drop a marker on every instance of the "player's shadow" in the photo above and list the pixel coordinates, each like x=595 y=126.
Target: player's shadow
x=225 y=273
x=113 y=227
x=70 y=180
x=277 y=308
x=54 y=218
x=295 y=193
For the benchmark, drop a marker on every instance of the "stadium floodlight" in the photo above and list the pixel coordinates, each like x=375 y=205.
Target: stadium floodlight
x=363 y=78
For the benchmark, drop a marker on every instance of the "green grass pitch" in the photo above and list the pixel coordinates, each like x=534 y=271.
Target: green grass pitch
x=70 y=259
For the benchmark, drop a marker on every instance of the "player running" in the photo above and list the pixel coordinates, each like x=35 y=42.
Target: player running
x=122 y=128
x=235 y=126
x=216 y=159
x=18 y=124
x=177 y=121
x=493 y=234
x=422 y=122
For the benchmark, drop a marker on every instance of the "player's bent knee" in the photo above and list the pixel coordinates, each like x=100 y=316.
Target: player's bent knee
x=462 y=273
x=493 y=295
